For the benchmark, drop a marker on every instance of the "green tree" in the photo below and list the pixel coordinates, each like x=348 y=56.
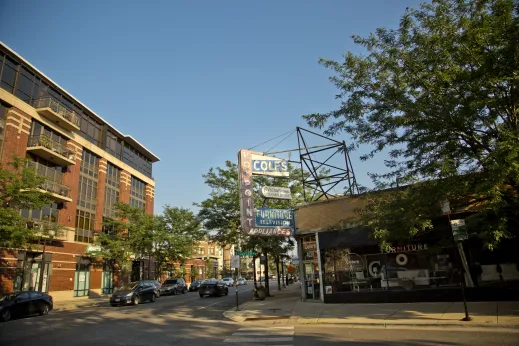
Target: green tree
x=221 y=211
x=179 y=230
x=19 y=189
x=440 y=94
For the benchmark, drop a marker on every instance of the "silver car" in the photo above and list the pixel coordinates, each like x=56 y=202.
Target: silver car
x=228 y=282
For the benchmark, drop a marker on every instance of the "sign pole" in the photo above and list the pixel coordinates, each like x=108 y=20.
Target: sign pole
x=236 y=286
x=467 y=317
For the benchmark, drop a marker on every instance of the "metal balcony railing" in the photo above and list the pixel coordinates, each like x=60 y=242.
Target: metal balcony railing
x=44 y=171
x=47 y=142
x=57 y=107
x=55 y=187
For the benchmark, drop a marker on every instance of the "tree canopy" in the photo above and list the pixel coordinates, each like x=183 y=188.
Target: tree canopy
x=19 y=189
x=439 y=95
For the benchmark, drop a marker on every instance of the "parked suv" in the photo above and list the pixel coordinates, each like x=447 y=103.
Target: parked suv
x=156 y=284
x=173 y=286
x=134 y=293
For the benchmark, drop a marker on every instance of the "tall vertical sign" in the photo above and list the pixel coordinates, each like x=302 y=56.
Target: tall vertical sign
x=274 y=167
x=246 y=196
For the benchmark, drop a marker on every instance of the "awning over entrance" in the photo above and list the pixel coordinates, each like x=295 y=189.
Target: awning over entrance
x=353 y=237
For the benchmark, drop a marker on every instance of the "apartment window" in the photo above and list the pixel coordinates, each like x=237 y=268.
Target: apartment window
x=25 y=85
x=48 y=213
x=111 y=197
x=114 y=145
x=108 y=229
x=137 y=193
x=8 y=69
x=85 y=222
x=38 y=129
x=89 y=164
x=211 y=251
x=90 y=129
x=136 y=160
x=87 y=193
x=113 y=175
x=201 y=251
x=46 y=168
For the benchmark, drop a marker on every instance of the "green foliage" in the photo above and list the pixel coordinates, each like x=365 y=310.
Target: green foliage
x=440 y=95
x=19 y=189
x=166 y=238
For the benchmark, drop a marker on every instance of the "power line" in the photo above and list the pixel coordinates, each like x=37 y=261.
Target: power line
x=281 y=135
x=290 y=134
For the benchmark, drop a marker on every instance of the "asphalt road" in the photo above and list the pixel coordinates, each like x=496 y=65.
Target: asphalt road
x=191 y=320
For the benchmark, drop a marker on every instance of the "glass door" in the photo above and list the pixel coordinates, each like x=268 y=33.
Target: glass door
x=82 y=277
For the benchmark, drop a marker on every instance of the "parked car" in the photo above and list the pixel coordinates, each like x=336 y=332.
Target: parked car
x=18 y=304
x=157 y=286
x=241 y=281
x=134 y=293
x=174 y=286
x=213 y=288
x=228 y=281
x=195 y=285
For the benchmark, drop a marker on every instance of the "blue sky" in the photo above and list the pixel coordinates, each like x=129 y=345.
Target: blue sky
x=195 y=81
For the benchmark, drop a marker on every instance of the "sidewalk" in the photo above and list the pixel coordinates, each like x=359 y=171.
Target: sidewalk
x=286 y=307
x=79 y=302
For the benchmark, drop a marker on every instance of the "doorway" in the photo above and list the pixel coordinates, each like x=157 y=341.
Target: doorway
x=82 y=277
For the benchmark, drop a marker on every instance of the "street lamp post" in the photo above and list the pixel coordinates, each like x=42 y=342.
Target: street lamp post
x=51 y=234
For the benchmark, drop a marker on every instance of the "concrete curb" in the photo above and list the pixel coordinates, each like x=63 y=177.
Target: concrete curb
x=233 y=316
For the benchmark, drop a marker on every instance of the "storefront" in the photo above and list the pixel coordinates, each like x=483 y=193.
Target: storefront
x=343 y=263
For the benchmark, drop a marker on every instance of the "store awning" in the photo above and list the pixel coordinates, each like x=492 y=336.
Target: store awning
x=354 y=237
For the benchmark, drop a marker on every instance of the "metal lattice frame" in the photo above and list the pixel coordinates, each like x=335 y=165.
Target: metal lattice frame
x=322 y=185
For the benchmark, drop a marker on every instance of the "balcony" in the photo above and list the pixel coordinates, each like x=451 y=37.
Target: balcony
x=45 y=229
x=57 y=113
x=47 y=148
x=58 y=191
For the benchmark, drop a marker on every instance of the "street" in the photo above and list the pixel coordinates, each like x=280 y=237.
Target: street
x=191 y=320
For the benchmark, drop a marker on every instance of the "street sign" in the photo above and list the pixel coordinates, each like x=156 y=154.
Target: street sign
x=275 y=192
x=267 y=217
x=459 y=231
x=235 y=262
x=245 y=253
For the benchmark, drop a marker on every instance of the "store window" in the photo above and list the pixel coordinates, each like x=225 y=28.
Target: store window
x=404 y=267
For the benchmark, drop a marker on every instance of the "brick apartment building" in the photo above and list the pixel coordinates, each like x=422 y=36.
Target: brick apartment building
x=208 y=260
x=89 y=166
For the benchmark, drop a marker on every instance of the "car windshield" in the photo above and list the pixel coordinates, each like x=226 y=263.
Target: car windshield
x=9 y=296
x=170 y=282
x=209 y=282
x=128 y=287
x=227 y=279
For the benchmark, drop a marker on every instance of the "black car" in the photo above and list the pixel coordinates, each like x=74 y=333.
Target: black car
x=195 y=285
x=134 y=293
x=157 y=286
x=213 y=288
x=18 y=304
x=173 y=286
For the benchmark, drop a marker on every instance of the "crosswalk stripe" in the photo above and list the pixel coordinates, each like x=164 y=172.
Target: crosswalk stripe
x=280 y=333
x=264 y=340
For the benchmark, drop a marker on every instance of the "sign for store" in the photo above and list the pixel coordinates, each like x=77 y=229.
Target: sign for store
x=408 y=248
x=269 y=165
x=274 y=192
x=267 y=217
x=275 y=167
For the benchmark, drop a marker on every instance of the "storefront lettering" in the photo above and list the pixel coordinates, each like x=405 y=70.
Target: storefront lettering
x=408 y=248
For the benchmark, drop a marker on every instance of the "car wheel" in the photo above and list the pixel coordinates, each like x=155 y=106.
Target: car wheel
x=226 y=292
x=201 y=295
x=44 y=310
x=6 y=315
x=113 y=305
x=135 y=300
x=153 y=298
x=184 y=291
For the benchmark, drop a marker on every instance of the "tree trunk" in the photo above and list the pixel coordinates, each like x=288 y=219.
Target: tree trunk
x=254 y=268
x=277 y=273
x=266 y=273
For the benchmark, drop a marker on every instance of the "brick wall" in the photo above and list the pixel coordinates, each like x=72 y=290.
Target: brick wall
x=18 y=126
x=150 y=199
x=67 y=215
x=124 y=187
